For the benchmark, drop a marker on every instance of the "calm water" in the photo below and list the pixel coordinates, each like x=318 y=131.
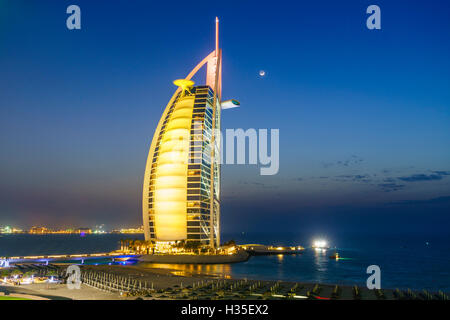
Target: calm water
x=406 y=261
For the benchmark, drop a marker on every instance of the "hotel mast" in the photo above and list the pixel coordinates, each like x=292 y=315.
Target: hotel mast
x=181 y=194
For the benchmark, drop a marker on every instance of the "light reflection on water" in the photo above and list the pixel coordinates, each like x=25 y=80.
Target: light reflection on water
x=321 y=263
x=215 y=270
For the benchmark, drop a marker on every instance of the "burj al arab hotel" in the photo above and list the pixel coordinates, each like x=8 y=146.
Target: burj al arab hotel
x=181 y=192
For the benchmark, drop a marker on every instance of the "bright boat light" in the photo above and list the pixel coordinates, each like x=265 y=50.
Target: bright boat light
x=320 y=244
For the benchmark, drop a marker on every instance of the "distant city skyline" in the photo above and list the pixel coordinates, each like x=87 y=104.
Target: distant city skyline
x=42 y=229
x=364 y=115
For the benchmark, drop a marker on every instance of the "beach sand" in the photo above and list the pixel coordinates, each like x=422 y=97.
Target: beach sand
x=60 y=292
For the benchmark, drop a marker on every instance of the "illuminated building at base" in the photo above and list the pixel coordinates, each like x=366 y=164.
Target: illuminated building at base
x=181 y=192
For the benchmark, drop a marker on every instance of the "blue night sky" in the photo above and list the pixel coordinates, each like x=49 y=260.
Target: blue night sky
x=364 y=115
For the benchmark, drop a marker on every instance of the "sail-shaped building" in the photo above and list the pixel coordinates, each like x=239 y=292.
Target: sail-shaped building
x=181 y=192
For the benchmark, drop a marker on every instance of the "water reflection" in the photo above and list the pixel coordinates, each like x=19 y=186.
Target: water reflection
x=321 y=263
x=216 y=270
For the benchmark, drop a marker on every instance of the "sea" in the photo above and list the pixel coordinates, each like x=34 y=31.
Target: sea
x=415 y=261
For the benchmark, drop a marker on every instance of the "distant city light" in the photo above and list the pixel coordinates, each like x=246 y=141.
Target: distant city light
x=80 y=231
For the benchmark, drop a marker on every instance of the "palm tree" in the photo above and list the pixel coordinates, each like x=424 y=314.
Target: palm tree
x=16 y=272
x=5 y=273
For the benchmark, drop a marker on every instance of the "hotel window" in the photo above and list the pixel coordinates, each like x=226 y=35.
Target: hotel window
x=195 y=154
x=193 y=204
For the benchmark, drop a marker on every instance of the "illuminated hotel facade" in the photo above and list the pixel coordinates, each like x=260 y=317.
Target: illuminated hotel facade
x=181 y=192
